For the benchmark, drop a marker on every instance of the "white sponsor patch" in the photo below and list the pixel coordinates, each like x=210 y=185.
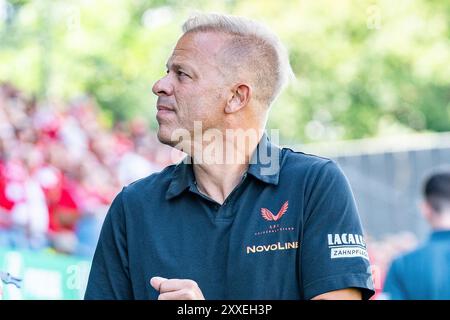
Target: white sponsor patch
x=348 y=252
x=347 y=245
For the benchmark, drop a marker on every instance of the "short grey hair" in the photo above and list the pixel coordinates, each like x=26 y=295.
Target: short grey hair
x=252 y=47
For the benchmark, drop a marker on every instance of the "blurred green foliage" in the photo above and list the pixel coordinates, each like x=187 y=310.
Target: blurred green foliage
x=363 y=68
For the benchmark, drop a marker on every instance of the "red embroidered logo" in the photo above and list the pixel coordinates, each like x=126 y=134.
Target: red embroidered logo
x=268 y=215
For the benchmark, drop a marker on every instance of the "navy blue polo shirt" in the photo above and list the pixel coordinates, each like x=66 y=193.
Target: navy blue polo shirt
x=422 y=274
x=289 y=230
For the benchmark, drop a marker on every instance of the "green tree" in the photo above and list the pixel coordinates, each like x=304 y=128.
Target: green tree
x=363 y=68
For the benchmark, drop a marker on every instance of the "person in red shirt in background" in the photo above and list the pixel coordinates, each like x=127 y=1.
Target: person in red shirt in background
x=64 y=215
x=5 y=206
x=59 y=190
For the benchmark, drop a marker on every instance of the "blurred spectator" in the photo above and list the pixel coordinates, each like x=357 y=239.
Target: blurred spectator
x=383 y=251
x=424 y=273
x=60 y=168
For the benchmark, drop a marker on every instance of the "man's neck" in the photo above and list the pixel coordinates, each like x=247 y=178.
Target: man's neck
x=218 y=180
x=441 y=221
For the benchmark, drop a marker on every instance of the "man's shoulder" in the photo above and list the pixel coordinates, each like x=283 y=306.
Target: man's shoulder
x=304 y=157
x=298 y=161
x=412 y=256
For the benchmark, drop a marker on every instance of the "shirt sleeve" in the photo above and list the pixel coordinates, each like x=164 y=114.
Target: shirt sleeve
x=109 y=277
x=393 y=288
x=333 y=252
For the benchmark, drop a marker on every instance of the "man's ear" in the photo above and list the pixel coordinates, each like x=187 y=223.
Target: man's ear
x=239 y=98
x=427 y=210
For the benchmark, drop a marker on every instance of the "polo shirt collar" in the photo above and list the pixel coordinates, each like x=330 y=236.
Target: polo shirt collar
x=265 y=162
x=264 y=165
x=182 y=178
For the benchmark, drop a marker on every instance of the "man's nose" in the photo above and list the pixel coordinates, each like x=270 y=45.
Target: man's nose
x=163 y=87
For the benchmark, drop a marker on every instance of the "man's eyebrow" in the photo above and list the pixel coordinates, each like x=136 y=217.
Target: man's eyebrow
x=177 y=66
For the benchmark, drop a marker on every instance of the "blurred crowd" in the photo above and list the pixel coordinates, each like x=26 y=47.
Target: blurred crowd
x=60 y=168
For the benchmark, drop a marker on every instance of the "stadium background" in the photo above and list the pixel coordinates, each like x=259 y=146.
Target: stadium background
x=77 y=116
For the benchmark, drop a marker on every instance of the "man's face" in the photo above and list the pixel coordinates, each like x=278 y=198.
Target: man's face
x=194 y=87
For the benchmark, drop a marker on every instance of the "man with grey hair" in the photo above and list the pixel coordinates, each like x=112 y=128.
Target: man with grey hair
x=241 y=218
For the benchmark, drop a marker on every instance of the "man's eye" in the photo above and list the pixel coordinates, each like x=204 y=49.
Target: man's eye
x=181 y=73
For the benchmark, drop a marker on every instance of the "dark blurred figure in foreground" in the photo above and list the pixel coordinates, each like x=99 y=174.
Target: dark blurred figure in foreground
x=424 y=274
